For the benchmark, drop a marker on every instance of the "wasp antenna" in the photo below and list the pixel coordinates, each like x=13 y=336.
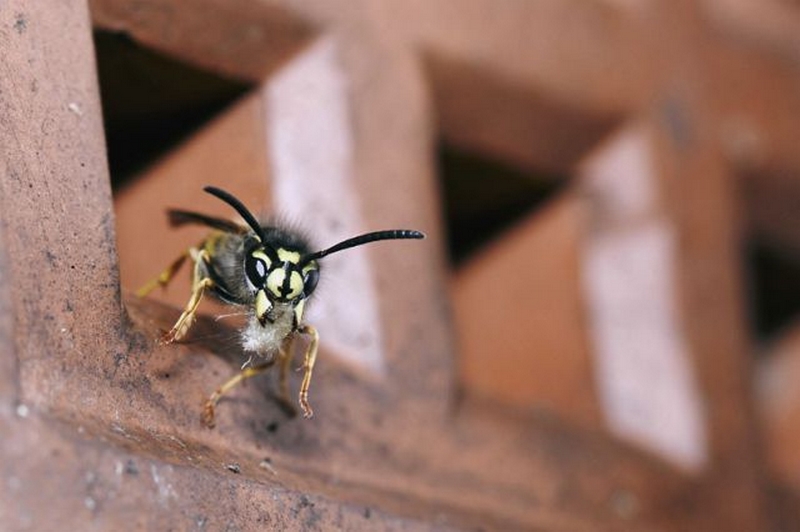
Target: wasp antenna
x=366 y=238
x=231 y=200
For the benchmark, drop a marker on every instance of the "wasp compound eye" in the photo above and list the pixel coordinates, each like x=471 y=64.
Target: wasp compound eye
x=310 y=282
x=256 y=267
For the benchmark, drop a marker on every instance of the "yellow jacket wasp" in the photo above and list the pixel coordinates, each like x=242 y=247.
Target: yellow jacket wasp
x=268 y=270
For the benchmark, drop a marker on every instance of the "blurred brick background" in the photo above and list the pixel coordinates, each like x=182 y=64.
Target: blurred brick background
x=600 y=332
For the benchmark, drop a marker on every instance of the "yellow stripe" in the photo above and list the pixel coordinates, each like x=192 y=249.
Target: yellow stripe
x=295 y=284
x=262 y=304
x=275 y=281
x=259 y=254
x=288 y=256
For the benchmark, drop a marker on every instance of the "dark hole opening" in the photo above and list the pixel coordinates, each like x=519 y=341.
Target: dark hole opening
x=774 y=289
x=483 y=197
x=152 y=102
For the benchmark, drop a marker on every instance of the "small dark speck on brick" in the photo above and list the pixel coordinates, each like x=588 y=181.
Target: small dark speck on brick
x=234 y=468
x=130 y=468
x=21 y=23
x=272 y=427
x=367 y=512
x=305 y=502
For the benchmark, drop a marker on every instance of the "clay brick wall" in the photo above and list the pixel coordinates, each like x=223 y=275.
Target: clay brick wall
x=592 y=365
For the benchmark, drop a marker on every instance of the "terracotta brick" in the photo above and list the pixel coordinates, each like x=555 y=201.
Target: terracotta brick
x=148 y=244
x=779 y=406
x=242 y=40
x=479 y=109
x=519 y=316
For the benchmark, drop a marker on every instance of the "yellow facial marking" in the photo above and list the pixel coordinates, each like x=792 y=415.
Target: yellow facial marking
x=259 y=254
x=288 y=256
x=275 y=281
x=295 y=285
x=262 y=304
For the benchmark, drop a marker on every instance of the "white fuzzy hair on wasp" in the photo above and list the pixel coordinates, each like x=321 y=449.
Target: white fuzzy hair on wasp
x=268 y=271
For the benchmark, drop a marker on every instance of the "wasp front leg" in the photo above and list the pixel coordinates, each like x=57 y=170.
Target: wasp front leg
x=200 y=282
x=308 y=367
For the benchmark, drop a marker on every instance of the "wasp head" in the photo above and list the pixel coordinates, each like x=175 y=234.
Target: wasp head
x=279 y=278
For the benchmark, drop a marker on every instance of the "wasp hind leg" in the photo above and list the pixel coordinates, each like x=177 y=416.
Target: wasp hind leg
x=165 y=277
x=207 y=417
x=308 y=367
x=200 y=282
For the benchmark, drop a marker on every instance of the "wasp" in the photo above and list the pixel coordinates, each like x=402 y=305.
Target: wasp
x=268 y=271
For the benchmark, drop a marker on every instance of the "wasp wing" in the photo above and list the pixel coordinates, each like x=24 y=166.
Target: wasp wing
x=178 y=217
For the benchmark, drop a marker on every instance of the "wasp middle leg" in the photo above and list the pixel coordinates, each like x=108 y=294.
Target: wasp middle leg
x=200 y=282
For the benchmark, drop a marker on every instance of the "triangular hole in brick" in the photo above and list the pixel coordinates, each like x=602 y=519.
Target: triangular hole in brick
x=152 y=102
x=483 y=197
x=774 y=289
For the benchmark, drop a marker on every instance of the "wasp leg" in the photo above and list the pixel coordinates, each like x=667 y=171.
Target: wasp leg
x=207 y=418
x=165 y=277
x=199 y=284
x=308 y=367
x=285 y=359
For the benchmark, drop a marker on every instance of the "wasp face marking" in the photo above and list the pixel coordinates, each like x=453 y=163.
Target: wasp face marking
x=286 y=255
x=263 y=308
x=281 y=281
x=285 y=283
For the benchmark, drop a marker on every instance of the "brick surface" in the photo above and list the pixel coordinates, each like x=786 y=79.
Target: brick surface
x=779 y=405
x=520 y=321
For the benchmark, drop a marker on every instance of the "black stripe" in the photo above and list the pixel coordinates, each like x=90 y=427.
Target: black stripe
x=286 y=279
